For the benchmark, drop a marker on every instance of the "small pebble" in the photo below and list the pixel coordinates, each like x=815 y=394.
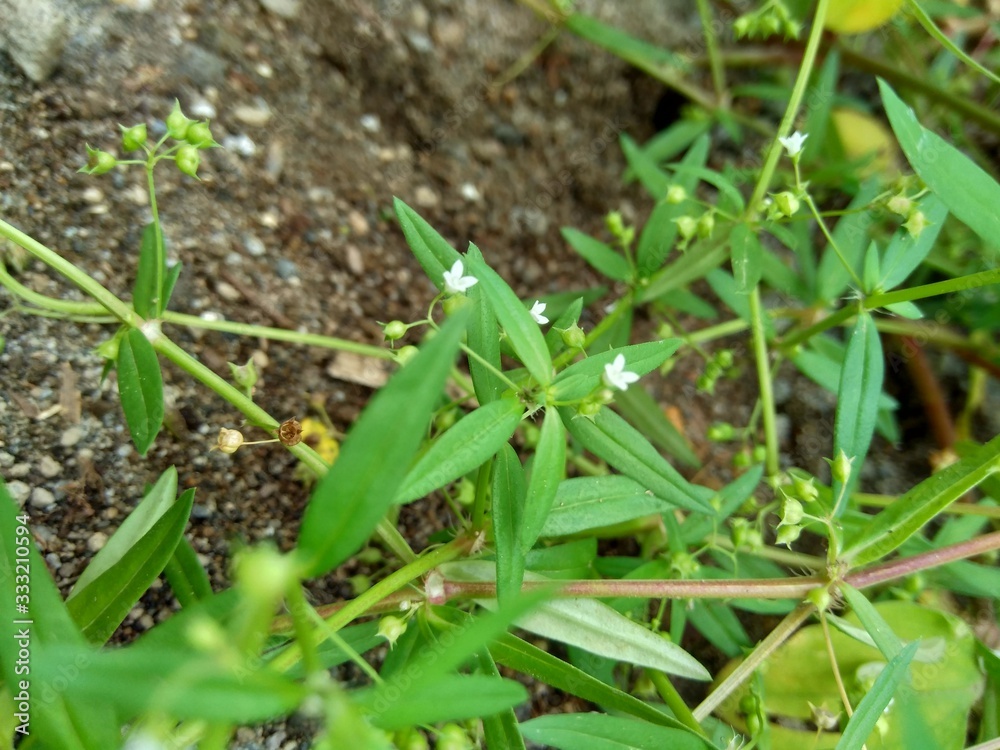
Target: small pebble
x=470 y=192
x=425 y=197
x=71 y=436
x=6 y=460
x=241 y=144
x=371 y=123
x=93 y=195
x=355 y=263
x=254 y=245
x=97 y=541
x=256 y=116
x=42 y=498
x=202 y=109
x=358 y=223
x=227 y=291
x=19 y=491
x=19 y=470
x=49 y=467
x=286 y=269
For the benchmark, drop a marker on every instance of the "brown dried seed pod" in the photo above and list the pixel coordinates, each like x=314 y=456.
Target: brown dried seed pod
x=290 y=432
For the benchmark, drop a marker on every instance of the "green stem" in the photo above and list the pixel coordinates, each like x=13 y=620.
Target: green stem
x=961 y=284
x=829 y=237
x=299 y=608
x=831 y=321
x=764 y=377
x=482 y=496
x=159 y=261
x=43 y=301
x=955 y=509
x=471 y=353
x=712 y=48
x=674 y=701
x=757 y=657
x=721 y=330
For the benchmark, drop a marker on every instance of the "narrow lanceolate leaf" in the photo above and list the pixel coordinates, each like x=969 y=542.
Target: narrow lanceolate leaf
x=868 y=712
x=602 y=257
x=100 y=606
x=431 y=250
x=747 y=251
x=581 y=378
x=358 y=490
x=906 y=252
x=448 y=698
x=851 y=238
x=508 y=514
x=590 y=625
x=521 y=656
x=547 y=471
x=882 y=635
x=186 y=575
x=484 y=339
x=968 y=192
x=523 y=332
x=594 y=731
x=140 y=387
x=144 y=293
x=905 y=517
x=500 y=729
x=641 y=410
x=585 y=503
x=469 y=443
x=160 y=498
x=613 y=439
x=857 y=400
x=82 y=723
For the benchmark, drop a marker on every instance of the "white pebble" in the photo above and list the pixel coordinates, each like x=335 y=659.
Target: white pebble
x=42 y=498
x=97 y=541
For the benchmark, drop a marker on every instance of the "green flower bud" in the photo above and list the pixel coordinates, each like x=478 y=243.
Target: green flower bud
x=206 y=635
x=706 y=384
x=676 y=194
x=264 y=573
x=445 y=419
x=665 y=330
x=916 y=224
x=359 y=584
x=687 y=226
x=791 y=29
x=466 y=494
x=199 y=135
x=394 y=330
x=821 y=597
x=589 y=408
x=405 y=354
x=98 y=162
x=759 y=454
x=410 y=739
x=453 y=303
x=615 y=224
x=724 y=358
x=791 y=512
x=453 y=737
x=391 y=628
x=706 y=223
x=188 y=160
x=177 y=122
x=769 y=25
x=685 y=565
x=805 y=489
x=133 y=138
x=788 y=534
x=787 y=203
x=738 y=531
x=370 y=556
x=840 y=467
x=721 y=432
x=245 y=376
x=823 y=718
x=573 y=337
x=741 y=460
x=742 y=26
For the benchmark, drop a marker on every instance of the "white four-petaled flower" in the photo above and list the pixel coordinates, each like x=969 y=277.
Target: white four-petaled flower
x=793 y=143
x=455 y=282
x=536 y=312
x=616 y=376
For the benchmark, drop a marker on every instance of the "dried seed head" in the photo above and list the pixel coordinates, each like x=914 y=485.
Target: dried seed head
x=229 y=441
x=290 y=432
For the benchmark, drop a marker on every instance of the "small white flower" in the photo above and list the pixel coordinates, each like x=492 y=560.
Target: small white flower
x=616 y=376
x=793 y=143
x=455 y=282
x=536 y=312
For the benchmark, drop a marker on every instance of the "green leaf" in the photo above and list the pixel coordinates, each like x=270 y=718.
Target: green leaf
x=100 y=606
x=642 y=411
x=448 y=698
x=581 y=378
x=728 y=500
x=602 y=732
x=501 y=729
x=968 y=192
x=568 y=318
x=522 y=330
x=907 y=515
x=179 y=683
x=872 y=272
x=857 y=400
x=547 y=470
x=592 y=626
x=747 y=252
x=58 y=721
x=727 y=289
x=819 y=102
x=359 y=488
x=484 y=339
x=155 y=503
x=691 y=266
x=585 y=503
x=868 y=712
x=186 y=575
x=885 y=640
x=469 y=443
x=573 y=559
x=431 y=250
x=720 y=626
x=144 y=293
x=825 y=365
x=654 y=59
x=140 y=387
x=508 y=516
x=728 y=192
x=666 y=144
x=613 y=439
x=596 y=253
x=521 y=656
x=169 y=282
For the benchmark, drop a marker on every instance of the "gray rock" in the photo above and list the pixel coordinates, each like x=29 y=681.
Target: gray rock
x=283 y=8
x=19 y=491
x=19 y=470
x=71 y=436
x=42 y=498
x=49 y=467
x=286 y=269
x=34 y=33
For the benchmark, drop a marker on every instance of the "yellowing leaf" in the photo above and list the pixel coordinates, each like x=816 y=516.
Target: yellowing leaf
x=862 y=135
x=855 y=16
x=320 y=437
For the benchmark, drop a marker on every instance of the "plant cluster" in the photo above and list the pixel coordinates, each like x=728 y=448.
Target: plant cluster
x=882 y=666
